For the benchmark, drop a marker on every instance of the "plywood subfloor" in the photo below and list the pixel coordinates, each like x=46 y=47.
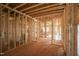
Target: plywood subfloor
x=38 y=48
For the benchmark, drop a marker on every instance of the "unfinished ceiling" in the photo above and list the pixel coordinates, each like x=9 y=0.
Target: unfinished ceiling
x=38 y=9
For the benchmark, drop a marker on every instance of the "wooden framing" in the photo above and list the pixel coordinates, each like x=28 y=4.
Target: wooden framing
x=69 y=20
x=74 y=30
x=3 y=31
x=1 y=53
x=10 y=30
x=19 y=27
x=46 y=13
x=51 y=9
x=7 y=29
x=37 y=29
x=34 y=30
x=62 y=30
x=52 y=32
x=19 y=6
x=0 y=33
x=16 y=11
x=31 y=7
x=12 y=9
x=12 y=24
x=45 y=27
x=41 y=8
x=15 y=29
x=25 y=30
x=22 y=29
x=69 y=25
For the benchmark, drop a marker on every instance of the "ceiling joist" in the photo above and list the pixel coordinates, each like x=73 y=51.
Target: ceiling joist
x=32 y=7
x=46 y=13
x=42 y=8
x=16 y=11
x=19 y=6
x=50 y=9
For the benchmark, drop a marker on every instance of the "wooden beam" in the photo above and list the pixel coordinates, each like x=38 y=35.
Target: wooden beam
x=74 y=30
x=52 y=31
x=32 y=7
x=16 y=11
x=26 y=30
x=12 y=9
x=41 y=8
x=1 y=51
x=8 y=29
x=50 y=9
x=15 y=29
x=69 y=29
x=45 y=27
x=47 y=13
x=23 y=32
x=19 y=6
x=19 y=17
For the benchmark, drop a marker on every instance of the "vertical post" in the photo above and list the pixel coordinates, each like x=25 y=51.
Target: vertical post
x=33 y=30
x=1 y=31
x=8 y=29
x=4 y=39
x=69 y=29
x=2 y=25
x=39 y=27
x=52 y=30
x=12 y=40
x=45 y=25
x=73 y=32
x=15 y=30
x=23 y=22
x=65 y=30
x=21 y=37
x=26 y=30
x=62 y=29
x=19 y=29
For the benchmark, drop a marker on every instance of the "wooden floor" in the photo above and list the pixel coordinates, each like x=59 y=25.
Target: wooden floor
x=38 y=48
